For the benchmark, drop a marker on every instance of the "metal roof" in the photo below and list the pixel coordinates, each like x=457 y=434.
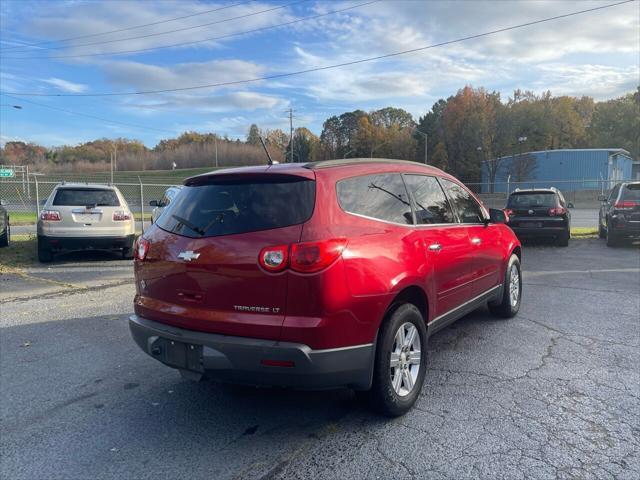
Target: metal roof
x=558 y=150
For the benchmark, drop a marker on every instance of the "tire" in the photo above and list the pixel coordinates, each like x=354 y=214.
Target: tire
x=563 y=240
x=508 y=306
x=4 y=238
x=127 y=252
x=387 y=396
x=612 y=239
x=45 y=255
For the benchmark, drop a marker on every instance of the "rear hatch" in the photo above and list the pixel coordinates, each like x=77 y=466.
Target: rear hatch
x=202 y=272
x=531 y=209
x=87 y=211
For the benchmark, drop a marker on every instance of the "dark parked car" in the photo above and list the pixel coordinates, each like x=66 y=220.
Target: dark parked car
x=5 y=229
x=319 y=275
x=619 y=216
x=539 y=213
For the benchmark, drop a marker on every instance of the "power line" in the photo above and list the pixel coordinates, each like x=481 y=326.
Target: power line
x=327 y=67
x=255 y=30
x=246 y=15
x=88 y=115
x=39 y=44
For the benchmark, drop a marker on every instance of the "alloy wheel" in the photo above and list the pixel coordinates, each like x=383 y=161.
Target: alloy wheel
x=405 y=359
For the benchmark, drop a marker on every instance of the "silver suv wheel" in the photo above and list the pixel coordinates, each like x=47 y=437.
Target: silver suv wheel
x=514 y=285
x=405 y=359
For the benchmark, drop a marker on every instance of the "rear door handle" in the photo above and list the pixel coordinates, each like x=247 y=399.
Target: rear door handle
x=476 y=241
x=435 y=247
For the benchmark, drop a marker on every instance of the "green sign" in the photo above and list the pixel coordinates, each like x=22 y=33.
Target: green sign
x=7 y=172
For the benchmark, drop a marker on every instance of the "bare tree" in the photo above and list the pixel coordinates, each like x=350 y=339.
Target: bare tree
x=521 y=167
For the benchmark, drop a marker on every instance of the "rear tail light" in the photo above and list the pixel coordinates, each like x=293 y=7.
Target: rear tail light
x=625 y=205
x=50 y=215
x=306 y=257
x=557 y=211
x=312 y=257
x=141 y=248
x=274 y=259
x=121 y=216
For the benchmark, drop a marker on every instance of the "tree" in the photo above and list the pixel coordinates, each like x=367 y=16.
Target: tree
x=253 y=135
x=521 y=167
x=616 y=123
x=306 y=146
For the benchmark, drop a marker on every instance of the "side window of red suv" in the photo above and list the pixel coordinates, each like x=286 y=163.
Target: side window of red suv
x=381 y=196
x=466 y=207
x=432 y=207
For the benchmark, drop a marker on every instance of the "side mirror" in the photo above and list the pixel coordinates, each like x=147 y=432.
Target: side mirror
x=569 y=205
x=602 y=198
x=497 y=216
x=153 y=203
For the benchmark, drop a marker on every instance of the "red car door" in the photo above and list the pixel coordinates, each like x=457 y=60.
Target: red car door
x=484 y=239
x=446 y=243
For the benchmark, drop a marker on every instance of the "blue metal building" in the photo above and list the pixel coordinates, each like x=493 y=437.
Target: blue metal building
x=566 y=169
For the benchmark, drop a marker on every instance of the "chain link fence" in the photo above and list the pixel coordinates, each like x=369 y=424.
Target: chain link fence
x=24 y=200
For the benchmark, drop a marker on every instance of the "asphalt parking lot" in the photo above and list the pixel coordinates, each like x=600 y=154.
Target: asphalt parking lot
x=552 y=393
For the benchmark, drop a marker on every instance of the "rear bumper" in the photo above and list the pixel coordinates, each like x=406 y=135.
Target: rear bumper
x=86 y=243
x=539 y=232
x=625 y=229
x=241 y=360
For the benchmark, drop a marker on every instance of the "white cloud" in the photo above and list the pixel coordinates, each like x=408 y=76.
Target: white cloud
x=59 y=20
x=144 y=76
x=66 y=86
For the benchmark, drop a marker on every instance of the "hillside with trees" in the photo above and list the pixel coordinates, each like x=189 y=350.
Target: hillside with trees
x=470 y=128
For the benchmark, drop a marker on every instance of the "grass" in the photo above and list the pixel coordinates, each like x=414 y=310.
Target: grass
x=584 y=232
x=21 y=252
x=129 y=176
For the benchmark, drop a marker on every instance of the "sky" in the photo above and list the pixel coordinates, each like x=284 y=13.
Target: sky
x=76 y=47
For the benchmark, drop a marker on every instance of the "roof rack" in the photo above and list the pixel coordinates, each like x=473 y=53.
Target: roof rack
x=357 y=161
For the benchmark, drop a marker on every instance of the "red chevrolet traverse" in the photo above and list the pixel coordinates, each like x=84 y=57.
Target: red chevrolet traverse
x=319 y=275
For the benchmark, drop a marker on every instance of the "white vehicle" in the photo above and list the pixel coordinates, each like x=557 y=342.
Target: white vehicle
x=84 y=216
x=167 y=198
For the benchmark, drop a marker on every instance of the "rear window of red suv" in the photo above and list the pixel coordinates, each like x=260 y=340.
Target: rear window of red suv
x=231 y=206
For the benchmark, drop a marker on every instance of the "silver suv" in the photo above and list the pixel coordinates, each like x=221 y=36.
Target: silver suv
x=81 y=216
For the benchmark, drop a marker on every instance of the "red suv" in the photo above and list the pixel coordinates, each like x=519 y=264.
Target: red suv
x=319 y=275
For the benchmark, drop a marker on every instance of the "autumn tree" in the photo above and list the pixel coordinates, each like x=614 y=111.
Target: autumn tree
x=253 y=135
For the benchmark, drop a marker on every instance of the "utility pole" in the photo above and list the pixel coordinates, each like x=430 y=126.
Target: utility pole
x=290 y=134
x=215 y=139
x=111 y=165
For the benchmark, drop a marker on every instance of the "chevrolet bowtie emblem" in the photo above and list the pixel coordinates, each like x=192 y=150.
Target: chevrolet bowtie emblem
x=188 y=255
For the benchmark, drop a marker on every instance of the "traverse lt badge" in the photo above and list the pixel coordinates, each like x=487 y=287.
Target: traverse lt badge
x=188 y=255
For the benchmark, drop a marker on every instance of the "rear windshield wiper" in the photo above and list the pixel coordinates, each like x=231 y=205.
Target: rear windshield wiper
x=187 y=223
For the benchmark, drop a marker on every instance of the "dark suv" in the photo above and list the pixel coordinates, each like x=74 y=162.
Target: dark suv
x=539 y=213
x=319 y=275
x=619 y=216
